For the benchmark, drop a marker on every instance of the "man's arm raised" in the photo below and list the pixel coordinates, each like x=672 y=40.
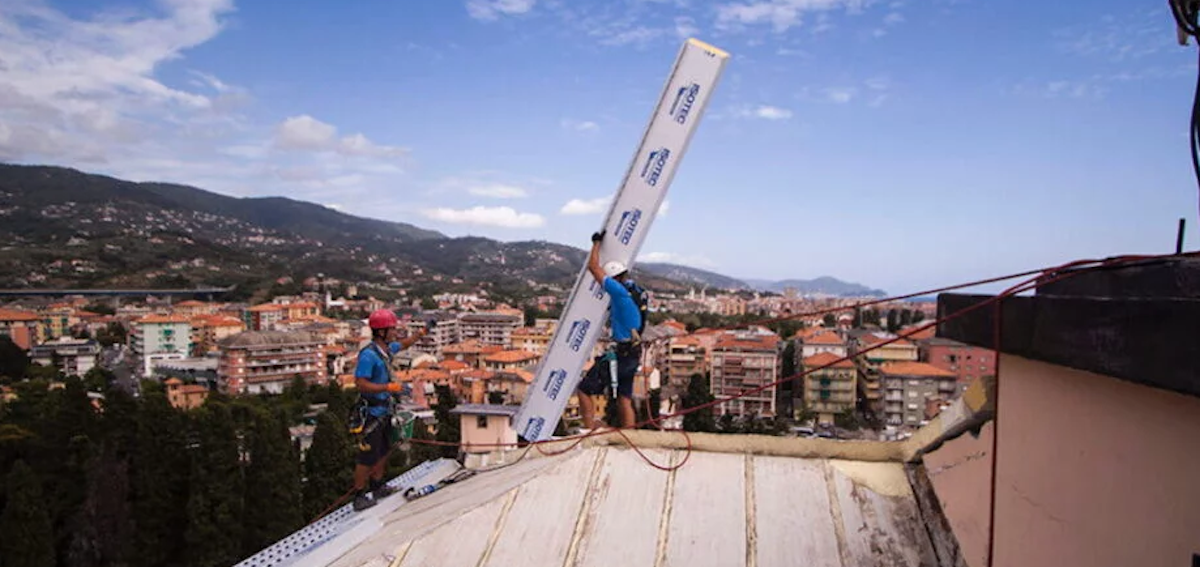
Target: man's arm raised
x=594 y=258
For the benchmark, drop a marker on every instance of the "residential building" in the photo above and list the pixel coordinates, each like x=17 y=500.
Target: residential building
x=257 y=362
x=301 y=310
x=907 y=386
x=158 y=337
x=193 y=308
x=57 y=320
x=965 y=361
x=470 y=352
x=532 y=339
x=510 y=360
x=207 y=330
x=869 y=379
x=264 y=317
x=511 y=384
x=822 y=341
x=23 y=328
x=483 y=427
x=72 y=357
x=830 y=390
x=185 y=396
x=686 y=356
x=489 y=328
x=445 y=332
x=743 y=360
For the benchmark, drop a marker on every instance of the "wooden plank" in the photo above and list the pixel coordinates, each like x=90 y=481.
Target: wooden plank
x=793 y=520
x=446 y=546
x=880 y=521
x=624 y=511
x=708 y=513
x=542 y=520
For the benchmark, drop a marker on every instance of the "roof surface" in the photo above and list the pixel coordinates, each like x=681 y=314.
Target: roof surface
x=604 y=506
x=824 y=358
x=906 y=368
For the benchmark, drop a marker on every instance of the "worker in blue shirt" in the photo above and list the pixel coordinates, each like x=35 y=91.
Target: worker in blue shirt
x=373 y=378
x=625 y=319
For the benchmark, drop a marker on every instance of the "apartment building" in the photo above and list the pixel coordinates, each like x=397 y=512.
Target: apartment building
x=264 y=317
x=23 y=328
x=830 y=390
x=908 y=386
x=160 y=337
x=470 y=353
x=489 y=328
x=507 y=360
x=743 y=360
x=207 y=330
x=57 y=320
x=193 y=308
x=967 y=362
x=72 y=357
x=446 y=331
x=686 y=356
x=256 y=362
x=825 y=340
x=532 y=339
x=869 y=378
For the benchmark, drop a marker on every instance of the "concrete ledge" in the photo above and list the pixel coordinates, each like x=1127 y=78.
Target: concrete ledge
x=797 y=447
x=966 y=413
x=1175 y=278
x=1144 y=340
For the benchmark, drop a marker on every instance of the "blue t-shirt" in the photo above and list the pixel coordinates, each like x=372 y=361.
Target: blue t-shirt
x=374 y=368
x=624 y=315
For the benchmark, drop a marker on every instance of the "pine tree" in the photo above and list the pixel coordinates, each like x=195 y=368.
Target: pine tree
x=28 y=534
x=101 y=532
x=214 y=505
x=328 y=465
x=448 y=424
x=698 y=394
x=273 y=506
x=63 y=464
x=160 y=482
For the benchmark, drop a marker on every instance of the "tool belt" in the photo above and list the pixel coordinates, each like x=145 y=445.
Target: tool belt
x=626 y=349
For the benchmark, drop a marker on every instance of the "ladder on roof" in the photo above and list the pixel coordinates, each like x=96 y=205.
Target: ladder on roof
x=697 y=68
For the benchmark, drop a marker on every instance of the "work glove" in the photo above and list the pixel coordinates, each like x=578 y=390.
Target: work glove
x=429 y=325
x=394 y=387
x=597 y=236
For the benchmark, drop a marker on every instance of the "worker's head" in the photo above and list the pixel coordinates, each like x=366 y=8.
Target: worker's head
x=616 y=270
x=382 y=323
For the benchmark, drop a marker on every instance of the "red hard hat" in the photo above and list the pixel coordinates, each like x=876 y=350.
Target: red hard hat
x=382 y=319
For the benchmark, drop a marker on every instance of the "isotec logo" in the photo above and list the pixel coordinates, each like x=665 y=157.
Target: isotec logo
x=654 y=165
x=579 y=330
x=628 y=225
x=597 y=290
x=534 y=428
x=555 y=383
x=684 y=99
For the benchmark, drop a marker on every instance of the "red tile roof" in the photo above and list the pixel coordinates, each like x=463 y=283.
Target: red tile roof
x=757 y=342
x=18 y=315
x=906 y=368
x=163 y=319
x=826 y=338
x=508 y=356
x=822 y=359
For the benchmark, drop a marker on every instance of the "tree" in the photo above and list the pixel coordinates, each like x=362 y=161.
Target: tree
x=829 y=320
x=918 y=316
x=495 y=397
x=428 y=303
x=102 y=530
x=214 y=504
x=448 y=426
x=328 y=464
x=25 y=522
x=893 y=320
x=847 y=419
x=113 y=334
x=787 y=366
x=98 y=378
x=13 y=360
x=857 y=322
x=906 y=317
x=160 y=485
x=272 y=498
x=101 y=308
x=698 y=394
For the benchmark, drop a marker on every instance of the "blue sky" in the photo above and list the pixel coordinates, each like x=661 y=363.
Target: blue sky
x=901 y=144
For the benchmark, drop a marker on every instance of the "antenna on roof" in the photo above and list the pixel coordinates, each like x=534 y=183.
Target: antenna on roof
x=1179 y=236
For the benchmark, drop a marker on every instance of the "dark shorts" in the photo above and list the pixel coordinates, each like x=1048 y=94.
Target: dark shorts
x=598 y=377
x=376 y=440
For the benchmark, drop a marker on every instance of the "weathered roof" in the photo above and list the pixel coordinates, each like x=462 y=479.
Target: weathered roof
x=601 y=505
x=824 y=358
x=269 y=338
x=826 y=338
x=907 y=368
x=485 y=409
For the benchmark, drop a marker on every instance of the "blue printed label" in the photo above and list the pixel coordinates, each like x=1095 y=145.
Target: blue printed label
x=596 y=289
x=627 y=226
x=579 y=330
x=685 y=97
x=534 y=428
x=554 y=385
x=655 y=163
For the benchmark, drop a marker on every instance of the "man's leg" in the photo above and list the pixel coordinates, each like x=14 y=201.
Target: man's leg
x=587 y=408
x=588 y=387
x=627 y=367
x=627 y=415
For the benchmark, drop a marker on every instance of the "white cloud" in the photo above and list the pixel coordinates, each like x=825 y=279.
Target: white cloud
x=685 y=27
x=85 y=90
x=307 y=133
x=585 y=206
x=505 y=217
x=694 y=260
x=780 y=14
x=893 y=18
x=763 y=111
x=662 y=209
x=580 y=125
x=840 y=95
x=499 y=191
x=492 y=9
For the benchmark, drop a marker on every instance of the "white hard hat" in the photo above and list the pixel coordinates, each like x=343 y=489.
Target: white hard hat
x=614 y=268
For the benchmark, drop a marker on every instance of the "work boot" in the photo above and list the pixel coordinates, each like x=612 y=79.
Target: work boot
x=382 y=490
x=364 y=500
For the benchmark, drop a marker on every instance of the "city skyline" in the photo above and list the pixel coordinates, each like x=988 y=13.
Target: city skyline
x=883 y=143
